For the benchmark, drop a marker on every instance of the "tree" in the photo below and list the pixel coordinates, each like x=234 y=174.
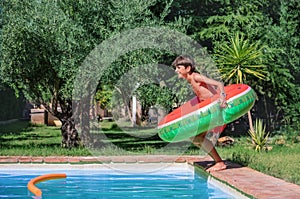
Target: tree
x=241 y=62
x=44 y=43
x=41 y=49
x=240 y=59
x=103 y=96
x=274 y=24
x=283 y=40
x=127 y=64
x=244 y=16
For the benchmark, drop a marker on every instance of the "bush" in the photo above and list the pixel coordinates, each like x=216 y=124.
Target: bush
x=259 y=137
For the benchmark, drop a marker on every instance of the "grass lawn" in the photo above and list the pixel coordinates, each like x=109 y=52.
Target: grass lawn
x=283 y=161
x=21 y=138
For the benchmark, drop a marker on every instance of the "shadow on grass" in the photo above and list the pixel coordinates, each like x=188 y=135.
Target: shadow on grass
x=134 y=139
x=137 y=139
x=30 y=145
x=23 y=134
x=126 y=141
x=15 y=128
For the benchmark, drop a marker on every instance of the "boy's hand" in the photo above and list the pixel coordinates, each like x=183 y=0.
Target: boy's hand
x=222 y=100
x=223 y=103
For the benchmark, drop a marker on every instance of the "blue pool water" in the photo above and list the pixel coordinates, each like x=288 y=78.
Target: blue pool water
x=178 y=182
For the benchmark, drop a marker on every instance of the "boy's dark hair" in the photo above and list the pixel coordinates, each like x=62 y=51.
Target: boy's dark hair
x=185 y=61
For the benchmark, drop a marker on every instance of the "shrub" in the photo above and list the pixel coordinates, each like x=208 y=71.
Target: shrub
x=259 y=136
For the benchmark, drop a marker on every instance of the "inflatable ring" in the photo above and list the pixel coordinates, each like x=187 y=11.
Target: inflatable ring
x=195 y=117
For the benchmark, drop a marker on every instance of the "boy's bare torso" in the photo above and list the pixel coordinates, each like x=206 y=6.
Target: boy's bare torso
x=199 y=89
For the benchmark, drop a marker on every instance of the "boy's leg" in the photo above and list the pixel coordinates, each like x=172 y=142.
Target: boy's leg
x=202 y=142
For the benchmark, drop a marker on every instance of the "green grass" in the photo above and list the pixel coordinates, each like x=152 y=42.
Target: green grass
x=110 y=139
x=22 y=138
x=283 y=161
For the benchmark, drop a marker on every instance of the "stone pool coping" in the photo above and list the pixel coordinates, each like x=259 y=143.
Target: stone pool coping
x=249 y=181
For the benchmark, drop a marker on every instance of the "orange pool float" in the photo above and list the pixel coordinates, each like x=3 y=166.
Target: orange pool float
x=36 y=191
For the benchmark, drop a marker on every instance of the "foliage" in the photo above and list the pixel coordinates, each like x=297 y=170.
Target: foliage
x=124 y=75
x=103 y=96
x=240 y=60
x=274 y=25
x=283 y=57
x=259 y=135
x=151 y=95
x=244 y=16
x=286 y=135
x=45 y=42
x=41 y=50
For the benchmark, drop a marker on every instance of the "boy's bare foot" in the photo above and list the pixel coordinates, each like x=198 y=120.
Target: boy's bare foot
x=219 y=166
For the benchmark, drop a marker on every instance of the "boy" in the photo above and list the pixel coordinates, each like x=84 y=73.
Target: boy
x=204 y=88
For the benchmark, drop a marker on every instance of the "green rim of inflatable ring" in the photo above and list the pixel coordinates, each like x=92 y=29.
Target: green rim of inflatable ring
x=202 y=121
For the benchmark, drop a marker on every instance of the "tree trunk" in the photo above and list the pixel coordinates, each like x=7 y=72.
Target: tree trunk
x=250 y=121
x=70 y=137
x=69 y=133
x=81 y=113
x=251 y=124
x=85 y=121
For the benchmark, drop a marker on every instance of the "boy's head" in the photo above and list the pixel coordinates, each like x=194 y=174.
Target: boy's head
x=186 y=61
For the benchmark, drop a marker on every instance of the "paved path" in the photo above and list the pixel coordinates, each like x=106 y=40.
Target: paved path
x=245 y=179
x=254 y=183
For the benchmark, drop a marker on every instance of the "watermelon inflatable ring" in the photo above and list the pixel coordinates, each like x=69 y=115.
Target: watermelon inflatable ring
x=195 y=117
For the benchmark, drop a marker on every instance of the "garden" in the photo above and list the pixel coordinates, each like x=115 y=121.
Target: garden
x=73 y=58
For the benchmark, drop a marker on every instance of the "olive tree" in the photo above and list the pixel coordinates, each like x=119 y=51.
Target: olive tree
x=41 y=49
x=44 y=43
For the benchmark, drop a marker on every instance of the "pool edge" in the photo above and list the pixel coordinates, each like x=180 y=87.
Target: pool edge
x=221 y=183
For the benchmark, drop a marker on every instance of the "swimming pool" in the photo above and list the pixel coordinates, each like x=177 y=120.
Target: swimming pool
x=105 y=181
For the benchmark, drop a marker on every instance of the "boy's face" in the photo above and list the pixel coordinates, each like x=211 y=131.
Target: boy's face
x=182 y=71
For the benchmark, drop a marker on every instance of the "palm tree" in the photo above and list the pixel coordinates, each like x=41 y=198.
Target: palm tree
x=241 y=62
